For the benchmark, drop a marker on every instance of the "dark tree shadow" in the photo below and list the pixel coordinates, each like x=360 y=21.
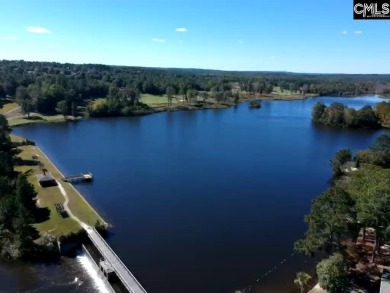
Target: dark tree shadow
x=33 y=232
x=65 y=214
x=41 y=215
x=23 y=162
x=34 y=118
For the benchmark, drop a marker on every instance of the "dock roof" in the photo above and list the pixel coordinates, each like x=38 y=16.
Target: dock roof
x=45 y=177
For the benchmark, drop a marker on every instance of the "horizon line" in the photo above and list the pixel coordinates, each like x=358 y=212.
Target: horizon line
x=202 y=69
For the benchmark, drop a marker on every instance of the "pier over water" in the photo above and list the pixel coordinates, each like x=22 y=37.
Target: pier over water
x=123 y=273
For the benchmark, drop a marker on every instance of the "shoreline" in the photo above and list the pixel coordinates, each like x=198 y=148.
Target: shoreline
x=74 y=189
x=56 y=225
x=158 y=108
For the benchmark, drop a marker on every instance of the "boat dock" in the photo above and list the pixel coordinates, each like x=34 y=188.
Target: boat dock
x=83 y=177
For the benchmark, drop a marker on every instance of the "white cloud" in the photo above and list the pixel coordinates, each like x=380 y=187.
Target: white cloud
x=157 y=40
x=344 y=32
x=358 y=32
x=181 y=30
x=9 y=38
x=38 y=30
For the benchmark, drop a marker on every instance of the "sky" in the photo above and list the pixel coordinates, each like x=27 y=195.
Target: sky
x=281 y=35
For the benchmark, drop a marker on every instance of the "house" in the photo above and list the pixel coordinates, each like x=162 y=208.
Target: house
x=349 y=167
x=46 y=180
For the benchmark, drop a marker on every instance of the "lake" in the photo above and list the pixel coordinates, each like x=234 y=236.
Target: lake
x=202 y=201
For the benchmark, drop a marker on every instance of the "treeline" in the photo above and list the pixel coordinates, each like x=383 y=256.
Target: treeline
x=345 y=209
x=50 y=88
x=116 y=107
x=119 y=102
x=339 y=115
x=18 y=210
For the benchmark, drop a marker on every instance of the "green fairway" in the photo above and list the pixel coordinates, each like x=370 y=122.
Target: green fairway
x=278 y=91
x=37 y=118
x=156 y=100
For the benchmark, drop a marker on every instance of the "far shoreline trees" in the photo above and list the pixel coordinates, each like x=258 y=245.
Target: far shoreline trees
x=41 y=86
x=341 y=116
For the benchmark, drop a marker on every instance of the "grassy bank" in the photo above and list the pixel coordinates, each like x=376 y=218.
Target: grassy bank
x=157 y=104
x=16 y=117
x=48 y=197
x=37 y=118
x=161 y=102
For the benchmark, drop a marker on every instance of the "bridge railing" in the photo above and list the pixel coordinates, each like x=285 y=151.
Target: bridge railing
x=119 y=260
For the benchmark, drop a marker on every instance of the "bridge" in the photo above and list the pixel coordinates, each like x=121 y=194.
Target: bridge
x=123 y=273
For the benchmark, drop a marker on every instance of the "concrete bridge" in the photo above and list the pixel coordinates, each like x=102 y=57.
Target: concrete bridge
x=114 y=263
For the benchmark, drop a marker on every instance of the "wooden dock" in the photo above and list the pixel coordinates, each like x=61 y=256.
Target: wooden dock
x=83 y=177
x=110 y=257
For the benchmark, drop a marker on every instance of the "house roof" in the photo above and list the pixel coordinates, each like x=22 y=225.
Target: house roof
x=43 y=177
x=317 y=289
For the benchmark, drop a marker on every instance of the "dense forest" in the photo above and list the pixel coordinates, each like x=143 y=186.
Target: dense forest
x=18 y=208
x=356 y=205
x=50 y=88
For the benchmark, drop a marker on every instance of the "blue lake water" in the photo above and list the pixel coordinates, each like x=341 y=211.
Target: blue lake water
x=203 y=201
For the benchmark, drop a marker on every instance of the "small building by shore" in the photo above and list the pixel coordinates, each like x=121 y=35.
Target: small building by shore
x=46 y=180
x=349 y=167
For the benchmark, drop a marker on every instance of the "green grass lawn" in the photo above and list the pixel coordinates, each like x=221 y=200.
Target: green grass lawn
x=39 y=118
x=155 y=100
x=278 y=91
x=47 y=197
x=8 y=107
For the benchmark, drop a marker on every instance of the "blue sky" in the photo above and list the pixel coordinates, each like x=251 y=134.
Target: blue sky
x=308 y=36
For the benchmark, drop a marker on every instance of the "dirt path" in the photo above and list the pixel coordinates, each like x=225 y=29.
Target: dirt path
x=11 y=114
x=66 y=207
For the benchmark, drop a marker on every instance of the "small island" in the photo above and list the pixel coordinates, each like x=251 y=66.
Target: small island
x=254 y=105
